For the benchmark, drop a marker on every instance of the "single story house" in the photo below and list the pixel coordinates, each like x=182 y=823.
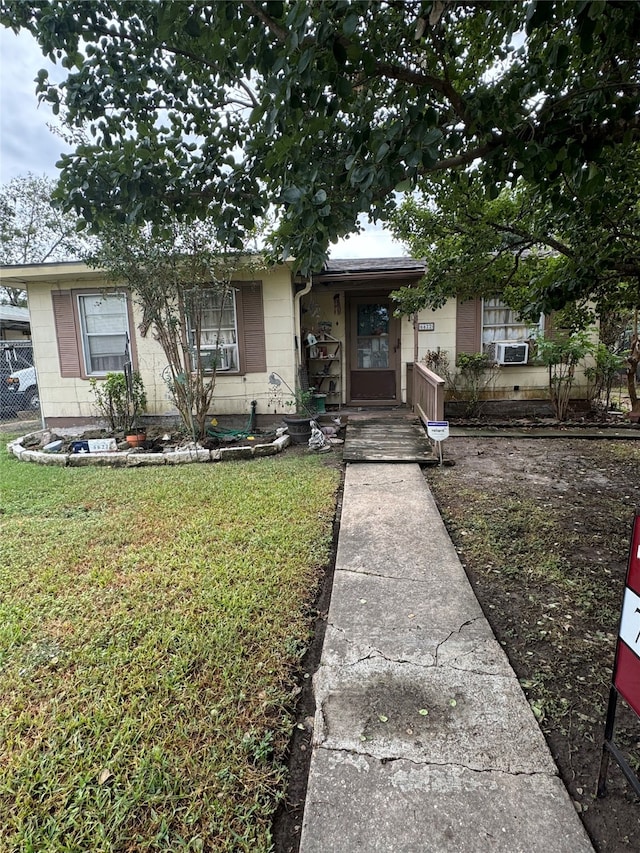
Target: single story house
x=15 y=346
x=14 y=324
x=338 y=326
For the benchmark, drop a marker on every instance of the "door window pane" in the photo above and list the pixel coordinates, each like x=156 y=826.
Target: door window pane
x=373 y=337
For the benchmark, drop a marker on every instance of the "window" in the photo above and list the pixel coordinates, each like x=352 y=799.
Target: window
x=218 y=329
x=104 y=327
x=373 y=336
x=241 y=332
x=500 y=323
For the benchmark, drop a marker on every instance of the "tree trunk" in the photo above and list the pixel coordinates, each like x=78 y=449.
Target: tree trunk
x=633 y=361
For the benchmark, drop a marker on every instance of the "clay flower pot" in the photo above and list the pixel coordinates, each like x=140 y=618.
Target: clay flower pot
x=136 y=439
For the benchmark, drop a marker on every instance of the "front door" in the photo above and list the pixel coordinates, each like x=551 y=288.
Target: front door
x=374 y=350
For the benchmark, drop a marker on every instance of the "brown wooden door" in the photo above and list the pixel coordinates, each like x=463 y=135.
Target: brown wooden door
x=373 y=350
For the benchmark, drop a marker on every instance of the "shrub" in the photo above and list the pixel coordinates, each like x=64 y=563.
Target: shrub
x=476 y=371
x=562 y=355
x=119 y=401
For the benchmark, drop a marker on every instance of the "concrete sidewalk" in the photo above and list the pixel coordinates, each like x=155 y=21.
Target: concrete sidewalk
x=423 y=738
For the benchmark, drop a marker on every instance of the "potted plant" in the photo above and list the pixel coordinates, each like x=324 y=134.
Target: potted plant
x=299 y=421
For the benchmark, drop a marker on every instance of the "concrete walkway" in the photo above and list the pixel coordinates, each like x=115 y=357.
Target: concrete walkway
x=423 y=738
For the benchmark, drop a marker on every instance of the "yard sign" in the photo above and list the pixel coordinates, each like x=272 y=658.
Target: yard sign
x=626 y=667
x=438 y=431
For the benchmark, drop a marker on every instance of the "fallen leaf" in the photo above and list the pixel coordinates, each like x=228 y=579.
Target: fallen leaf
x=423 y=712
x=382 y=718
x=104 y=775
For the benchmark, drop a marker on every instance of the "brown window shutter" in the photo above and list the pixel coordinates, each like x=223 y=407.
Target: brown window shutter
x=65 y=325
x=253 y=351
x=550 y=327
x=469 y=326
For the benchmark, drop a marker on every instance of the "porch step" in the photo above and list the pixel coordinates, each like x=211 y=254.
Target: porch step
x=387 y=440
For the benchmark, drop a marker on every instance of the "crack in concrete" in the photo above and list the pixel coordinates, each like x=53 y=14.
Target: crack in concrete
x=392 y=759
x=343 y=631
x=385 y=482
x=456 y=631
x=480 y=672
x=376 y=653
x=378 y=575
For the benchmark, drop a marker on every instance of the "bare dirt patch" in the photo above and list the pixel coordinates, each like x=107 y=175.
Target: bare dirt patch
x=542 y=527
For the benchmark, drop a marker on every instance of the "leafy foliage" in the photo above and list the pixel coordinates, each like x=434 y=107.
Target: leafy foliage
x=562 y=354
x=120 y=402
x=33 y=230
x=538 y=249
x=169 y=275
x=476 y=372
x=602 y=374
x=325 y=109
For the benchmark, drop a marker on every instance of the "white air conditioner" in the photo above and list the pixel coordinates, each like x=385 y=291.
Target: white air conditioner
x=511 y=352
x=216 y=356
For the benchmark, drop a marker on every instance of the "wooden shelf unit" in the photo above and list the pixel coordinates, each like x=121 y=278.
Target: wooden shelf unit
x=324 y=366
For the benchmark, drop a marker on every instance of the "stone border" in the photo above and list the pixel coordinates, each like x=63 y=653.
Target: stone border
x=139 y=459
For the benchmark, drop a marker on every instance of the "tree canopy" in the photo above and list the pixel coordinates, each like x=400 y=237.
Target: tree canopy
x=32 y=230
x=322 y=110
x=538 y=249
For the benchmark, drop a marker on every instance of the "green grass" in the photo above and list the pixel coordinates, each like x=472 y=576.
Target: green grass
x=151 y=622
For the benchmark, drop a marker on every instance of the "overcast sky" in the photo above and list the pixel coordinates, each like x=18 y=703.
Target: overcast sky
x=28 y=145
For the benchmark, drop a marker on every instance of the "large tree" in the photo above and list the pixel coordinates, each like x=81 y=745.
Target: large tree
x=540 y=250
x=173 y=279
x=324 y=109
x=32 y=230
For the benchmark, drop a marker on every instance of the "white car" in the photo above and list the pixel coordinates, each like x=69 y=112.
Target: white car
x=21 y=391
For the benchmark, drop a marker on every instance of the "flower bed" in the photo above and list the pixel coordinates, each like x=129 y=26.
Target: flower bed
x=72 y=450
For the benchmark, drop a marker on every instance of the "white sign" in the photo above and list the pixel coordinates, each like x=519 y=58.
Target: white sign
x=438 y=430
x=426 y=327
x=630 y=620
x=100 y=445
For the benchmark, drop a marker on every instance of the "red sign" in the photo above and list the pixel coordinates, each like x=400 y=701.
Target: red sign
x=626 y=673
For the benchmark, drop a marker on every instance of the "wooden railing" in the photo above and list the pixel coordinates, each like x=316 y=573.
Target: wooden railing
x=428 y=394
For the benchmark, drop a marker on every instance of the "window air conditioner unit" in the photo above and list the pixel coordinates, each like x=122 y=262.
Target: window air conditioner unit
x=511 y=352
x=215 y=356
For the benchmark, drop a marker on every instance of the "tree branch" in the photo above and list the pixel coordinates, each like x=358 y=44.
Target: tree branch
x=423 y=81
x=465 y=158
x=561 y=248
x=279 y=32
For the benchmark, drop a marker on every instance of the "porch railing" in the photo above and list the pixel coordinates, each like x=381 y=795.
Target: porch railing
x=428 y=394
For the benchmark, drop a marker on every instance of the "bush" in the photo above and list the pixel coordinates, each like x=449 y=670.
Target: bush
x=602 y=375
x=476 y=372
x=562 y=355
x=120 y=402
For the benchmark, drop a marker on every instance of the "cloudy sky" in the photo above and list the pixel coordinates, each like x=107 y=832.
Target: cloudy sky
x=28 y=145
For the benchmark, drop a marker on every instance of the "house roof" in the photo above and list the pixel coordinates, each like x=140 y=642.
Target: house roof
x=20 y=275
x=12 y=317
x=372 y=271
x=14 y=313
x=355 y=265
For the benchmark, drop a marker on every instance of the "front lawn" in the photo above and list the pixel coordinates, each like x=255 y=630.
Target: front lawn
x=151 y=621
